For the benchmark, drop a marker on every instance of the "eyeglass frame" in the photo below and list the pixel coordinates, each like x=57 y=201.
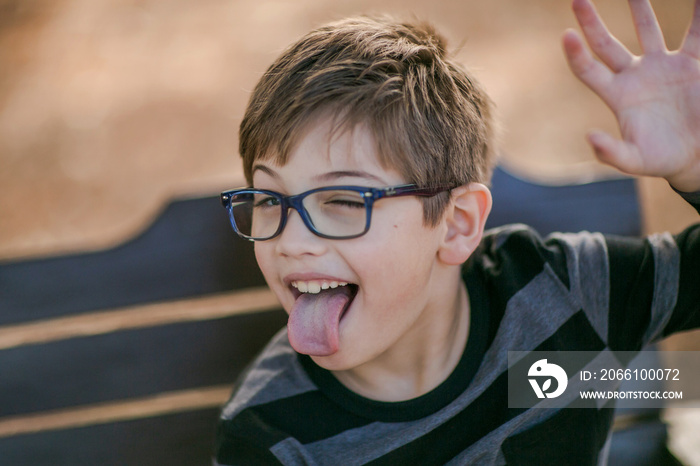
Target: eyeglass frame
x=369 y=195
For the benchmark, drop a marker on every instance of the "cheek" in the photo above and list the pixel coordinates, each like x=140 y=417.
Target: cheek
x=399 y=263
x=395 y=288
x=264 y=257
x=260 y=255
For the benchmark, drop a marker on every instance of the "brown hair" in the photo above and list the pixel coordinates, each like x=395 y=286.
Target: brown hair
x=430 y=120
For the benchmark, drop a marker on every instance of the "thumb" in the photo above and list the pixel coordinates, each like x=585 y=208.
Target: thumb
x=615 y=152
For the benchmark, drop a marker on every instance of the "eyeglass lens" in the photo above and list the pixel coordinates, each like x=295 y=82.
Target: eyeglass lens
x=335 y=213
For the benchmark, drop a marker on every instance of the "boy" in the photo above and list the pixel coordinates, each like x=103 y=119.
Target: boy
x=367 y=150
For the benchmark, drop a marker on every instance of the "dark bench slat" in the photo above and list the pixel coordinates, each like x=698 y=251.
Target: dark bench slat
x=190 y=250
x=608 y=206
x=183 y=439
x=134 y=363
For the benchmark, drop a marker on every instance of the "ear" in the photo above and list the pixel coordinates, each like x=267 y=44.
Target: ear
x=464 y=218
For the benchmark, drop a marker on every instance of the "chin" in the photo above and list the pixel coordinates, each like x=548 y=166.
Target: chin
x=333 y=362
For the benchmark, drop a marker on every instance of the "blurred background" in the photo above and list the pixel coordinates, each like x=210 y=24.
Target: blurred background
x=109 y=110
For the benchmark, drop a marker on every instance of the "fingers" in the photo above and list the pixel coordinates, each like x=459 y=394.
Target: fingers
x=691 y=44
x=590 y=71
x=615 y=152
x=648 y=30
x=607 y=47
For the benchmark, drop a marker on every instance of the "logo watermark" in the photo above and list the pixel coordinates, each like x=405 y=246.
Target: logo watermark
x=593 y=379
x=551 y=372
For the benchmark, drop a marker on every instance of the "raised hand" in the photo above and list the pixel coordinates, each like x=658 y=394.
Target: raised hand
x=655 y=96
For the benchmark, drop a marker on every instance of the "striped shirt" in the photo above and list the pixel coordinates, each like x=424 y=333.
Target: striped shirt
x=569 y=292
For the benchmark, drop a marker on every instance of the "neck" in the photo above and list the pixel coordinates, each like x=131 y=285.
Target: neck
x=424 y=359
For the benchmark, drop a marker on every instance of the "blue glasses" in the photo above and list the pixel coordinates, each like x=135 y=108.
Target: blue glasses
x=333 y=212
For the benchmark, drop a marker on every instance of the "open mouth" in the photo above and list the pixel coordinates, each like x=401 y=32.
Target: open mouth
x=325 y=287
x=314 y=320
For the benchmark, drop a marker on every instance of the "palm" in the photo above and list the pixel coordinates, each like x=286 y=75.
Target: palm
x=658 y=107
x=655 y=97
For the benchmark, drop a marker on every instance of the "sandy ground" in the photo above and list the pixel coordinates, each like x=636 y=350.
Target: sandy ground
x=109 y=109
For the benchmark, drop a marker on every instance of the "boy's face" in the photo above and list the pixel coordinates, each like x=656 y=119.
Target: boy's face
x=390 y=271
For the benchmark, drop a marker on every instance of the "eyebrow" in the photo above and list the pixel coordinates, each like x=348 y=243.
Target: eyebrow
x=330 y=176
x=334 y=175
x=265 y=170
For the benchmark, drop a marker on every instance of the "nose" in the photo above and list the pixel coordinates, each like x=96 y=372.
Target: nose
x=297 y=240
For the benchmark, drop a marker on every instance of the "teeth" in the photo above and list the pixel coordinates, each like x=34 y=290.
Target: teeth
x=315 y=287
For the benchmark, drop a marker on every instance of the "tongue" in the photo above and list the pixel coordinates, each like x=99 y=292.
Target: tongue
x=314 y=320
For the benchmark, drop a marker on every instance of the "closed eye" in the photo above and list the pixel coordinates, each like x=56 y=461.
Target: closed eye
x=268 y=201
x=346 y=203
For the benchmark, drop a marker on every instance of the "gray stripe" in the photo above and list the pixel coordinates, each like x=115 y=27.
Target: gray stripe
x=292 y=453
x=589 y=272
x=542 y=306
x=363 y=444
x=277 y=374
x=667 y=260
x=605 y=451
